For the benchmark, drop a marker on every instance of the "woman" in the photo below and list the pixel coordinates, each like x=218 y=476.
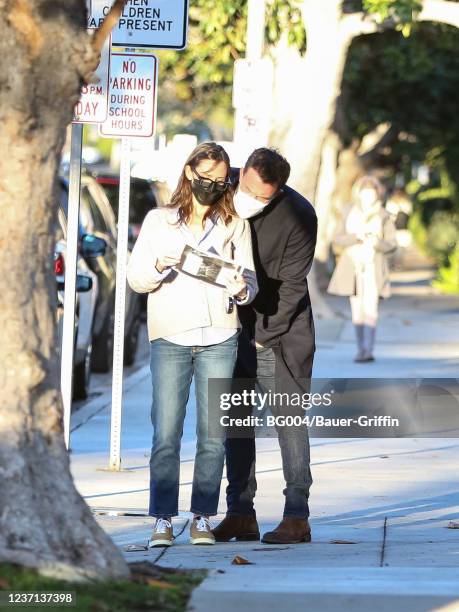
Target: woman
x=366 y=236
x=193 y=329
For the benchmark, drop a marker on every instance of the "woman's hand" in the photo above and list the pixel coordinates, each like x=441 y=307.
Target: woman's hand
x=372 y=240
x=167 y=261
x=235 y=285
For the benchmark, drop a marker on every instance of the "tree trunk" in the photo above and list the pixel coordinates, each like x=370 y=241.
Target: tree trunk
x=306 y=89
x=306 y=92
x=44 y=522
x=326 y=187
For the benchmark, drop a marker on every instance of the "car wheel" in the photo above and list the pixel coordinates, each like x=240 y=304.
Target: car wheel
x=82 y=376
x=102 y=357
x=131 y=340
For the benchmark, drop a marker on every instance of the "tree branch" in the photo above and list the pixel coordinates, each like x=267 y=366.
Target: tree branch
x=108 y=24
x=384 y=135
x=97 y=41
x=441 y=11
x=374 y=139
x=357 y=24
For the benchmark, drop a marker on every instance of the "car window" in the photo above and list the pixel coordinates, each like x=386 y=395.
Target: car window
x=112 y=193
x=61 y=224
x=142 y=201
x=63 y=212
x=92 y=217
x=101 y=201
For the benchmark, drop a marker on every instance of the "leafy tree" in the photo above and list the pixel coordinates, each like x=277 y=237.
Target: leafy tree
x=411 y=83
x=197 y=82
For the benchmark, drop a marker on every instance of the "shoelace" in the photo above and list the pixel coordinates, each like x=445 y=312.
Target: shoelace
x=162 y=525
x=203 y=524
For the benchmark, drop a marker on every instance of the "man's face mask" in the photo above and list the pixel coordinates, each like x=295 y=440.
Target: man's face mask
x=246 y=205
x=206 y=191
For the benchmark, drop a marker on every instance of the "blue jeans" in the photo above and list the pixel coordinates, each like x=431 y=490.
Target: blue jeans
x=294 y=446
x=172 y=368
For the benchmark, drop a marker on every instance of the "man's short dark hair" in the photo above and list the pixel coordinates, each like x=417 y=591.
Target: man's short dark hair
x=270 y=165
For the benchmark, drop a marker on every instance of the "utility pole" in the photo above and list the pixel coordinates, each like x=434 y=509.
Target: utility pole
x=251 y=125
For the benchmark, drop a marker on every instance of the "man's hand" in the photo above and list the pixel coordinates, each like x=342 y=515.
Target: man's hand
x=258 y=345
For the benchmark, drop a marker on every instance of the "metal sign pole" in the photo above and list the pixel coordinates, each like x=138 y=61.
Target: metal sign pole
x=120 y=305
x=68 y=334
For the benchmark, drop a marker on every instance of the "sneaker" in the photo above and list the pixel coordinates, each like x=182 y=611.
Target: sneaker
x=162 y=534
x=201 y=531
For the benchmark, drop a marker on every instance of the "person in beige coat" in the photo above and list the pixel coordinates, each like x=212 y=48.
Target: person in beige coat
x=193 y=331
x=365 y=237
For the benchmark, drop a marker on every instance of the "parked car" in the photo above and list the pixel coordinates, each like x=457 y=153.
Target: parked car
x=87 y=290
x=144 y=196
x=98 y=220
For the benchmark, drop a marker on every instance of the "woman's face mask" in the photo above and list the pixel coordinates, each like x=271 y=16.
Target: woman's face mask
x=206 y=191
x=246 y=205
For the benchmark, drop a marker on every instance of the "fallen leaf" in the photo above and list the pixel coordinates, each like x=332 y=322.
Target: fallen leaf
x=4 y=584
x=240 y=561
x=159 y=584
x=342 y=542
x=453 y=525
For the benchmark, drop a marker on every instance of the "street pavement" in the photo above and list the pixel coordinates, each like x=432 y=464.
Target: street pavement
x=381 y=509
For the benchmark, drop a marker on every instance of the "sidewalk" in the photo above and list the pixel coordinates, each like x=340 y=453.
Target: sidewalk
x=380 y=508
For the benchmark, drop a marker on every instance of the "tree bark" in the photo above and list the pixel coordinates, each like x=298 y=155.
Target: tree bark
x=44 y=522
x=306 y=91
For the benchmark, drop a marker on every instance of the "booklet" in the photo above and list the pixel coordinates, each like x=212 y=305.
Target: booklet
x=206 y=266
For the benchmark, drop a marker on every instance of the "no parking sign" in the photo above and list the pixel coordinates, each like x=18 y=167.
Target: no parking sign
x=132 y=96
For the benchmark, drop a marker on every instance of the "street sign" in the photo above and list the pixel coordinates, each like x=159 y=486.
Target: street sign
x=161 y=24
x=132 y=96
x=253 y=83
x=92 y=106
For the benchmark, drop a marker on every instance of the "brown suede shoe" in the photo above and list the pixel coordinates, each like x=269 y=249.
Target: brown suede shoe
x=243 y=528
x=290 y=530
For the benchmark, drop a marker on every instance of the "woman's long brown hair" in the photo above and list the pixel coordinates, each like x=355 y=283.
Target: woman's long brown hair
x=182 y=198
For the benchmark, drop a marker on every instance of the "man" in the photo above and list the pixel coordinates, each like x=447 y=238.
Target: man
x=276 y=343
